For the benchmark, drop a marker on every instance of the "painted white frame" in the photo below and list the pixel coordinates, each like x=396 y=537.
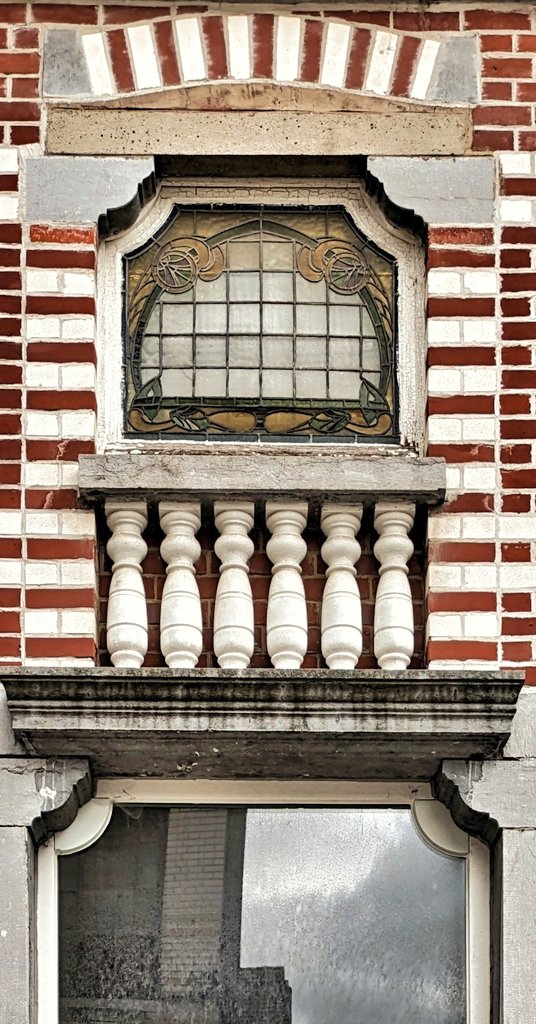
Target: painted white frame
x=431 y=818
x=366 y=214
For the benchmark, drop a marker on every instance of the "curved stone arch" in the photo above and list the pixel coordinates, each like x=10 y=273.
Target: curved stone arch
x=307 y=50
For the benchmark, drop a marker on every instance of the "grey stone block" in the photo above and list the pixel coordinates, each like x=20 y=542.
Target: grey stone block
x=76 y=190
x=17 y=918
x=454 y=79
x=443 y=190
x=42 y=795
x=64 y=65
x=198 y=474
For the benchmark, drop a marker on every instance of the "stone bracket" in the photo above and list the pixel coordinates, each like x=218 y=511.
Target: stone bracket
x=43 y=794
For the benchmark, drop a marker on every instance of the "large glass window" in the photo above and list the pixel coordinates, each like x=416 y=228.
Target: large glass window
x=264 y=916
x=263 y=322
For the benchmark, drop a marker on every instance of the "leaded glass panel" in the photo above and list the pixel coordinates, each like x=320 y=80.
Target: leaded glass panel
x=260 y=323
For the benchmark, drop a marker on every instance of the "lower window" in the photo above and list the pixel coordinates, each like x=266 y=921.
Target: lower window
x=262 y=915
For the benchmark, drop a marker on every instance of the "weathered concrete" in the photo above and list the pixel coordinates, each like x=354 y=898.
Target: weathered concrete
x=504 y=790
x=76 y=190
x=497 y=801
x=43 y=795
x=64 y=66
x=522 y=742
x=205 y=474
x=457 y=190
x=258 y=723
x=440 y=130
x=454 y=78
x=17 y=923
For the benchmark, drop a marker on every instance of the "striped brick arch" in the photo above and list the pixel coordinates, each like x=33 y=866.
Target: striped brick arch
x=311 y=51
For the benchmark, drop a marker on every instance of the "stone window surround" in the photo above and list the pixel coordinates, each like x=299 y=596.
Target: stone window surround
x=431 y=819
x=372 y=222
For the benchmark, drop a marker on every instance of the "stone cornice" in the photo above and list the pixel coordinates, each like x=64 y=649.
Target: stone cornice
x=262 y=723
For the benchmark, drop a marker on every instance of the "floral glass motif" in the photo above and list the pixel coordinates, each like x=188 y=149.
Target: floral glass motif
x=260 y=323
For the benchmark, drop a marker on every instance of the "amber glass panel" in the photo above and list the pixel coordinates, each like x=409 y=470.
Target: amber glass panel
x=260 y=323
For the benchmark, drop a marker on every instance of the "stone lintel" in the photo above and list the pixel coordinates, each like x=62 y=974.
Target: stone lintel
x=94 y=131
x=263 y=723
x=315 y=476
x=42 y=794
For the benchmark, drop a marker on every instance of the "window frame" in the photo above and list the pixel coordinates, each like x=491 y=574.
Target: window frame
x=432 y=820
x=407 y=249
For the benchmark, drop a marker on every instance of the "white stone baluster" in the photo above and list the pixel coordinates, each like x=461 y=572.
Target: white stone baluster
x=127 y=631
x=181 y=626
x=342 y=631
x=393 y=613
x=286 y=623
x=233 y=611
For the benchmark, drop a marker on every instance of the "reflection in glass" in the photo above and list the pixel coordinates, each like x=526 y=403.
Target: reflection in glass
x=277 y=916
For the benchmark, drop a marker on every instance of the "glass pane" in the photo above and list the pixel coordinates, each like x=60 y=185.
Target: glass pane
x=310 y=291
x=176 y=351
x=311 y=319
x=243 y=255
x=344 y=353
x=210 y=319
x=210 y=351
x=177 y=319
x=177 y=383
x=277 y=287
x=277 y=351
x=191 y=915
x=277 y=383
x=371 y=354
x=150 y=351
x=277 y=319
x=311 y=384
x=244 y=383
x=311 y=352
x=210 y=383
x=244 y=351
x=244 y=318
x=278 y=256
x=210 y=291
x=244 y=286
x=344 y=384
x=344 y=320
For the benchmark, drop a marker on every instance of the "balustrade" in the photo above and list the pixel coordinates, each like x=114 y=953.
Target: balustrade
x=181 y=627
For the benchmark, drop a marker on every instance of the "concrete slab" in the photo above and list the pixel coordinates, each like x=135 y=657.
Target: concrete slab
x=103 y=131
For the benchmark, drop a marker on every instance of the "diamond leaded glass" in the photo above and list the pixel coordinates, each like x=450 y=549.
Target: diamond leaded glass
x=260 y=323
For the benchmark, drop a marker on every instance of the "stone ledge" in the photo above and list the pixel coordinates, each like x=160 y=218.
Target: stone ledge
x=201 y=474
x=262 y=723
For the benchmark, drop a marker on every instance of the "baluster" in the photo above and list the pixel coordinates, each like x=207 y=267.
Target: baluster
x=286 y=623
x=393 y=614
x=181 y=626
x=342 y=633
x=233 y=612
x=127 y=632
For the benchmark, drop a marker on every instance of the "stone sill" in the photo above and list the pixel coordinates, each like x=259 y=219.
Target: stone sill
x=262 y=723
x=204 y=473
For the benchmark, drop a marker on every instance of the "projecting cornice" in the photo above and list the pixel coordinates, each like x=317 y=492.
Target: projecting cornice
x=262 y=723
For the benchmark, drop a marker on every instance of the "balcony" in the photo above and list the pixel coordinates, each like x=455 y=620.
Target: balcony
x=299 y=527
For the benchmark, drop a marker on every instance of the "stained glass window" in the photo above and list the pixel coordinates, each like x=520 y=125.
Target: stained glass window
x=260 y=323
